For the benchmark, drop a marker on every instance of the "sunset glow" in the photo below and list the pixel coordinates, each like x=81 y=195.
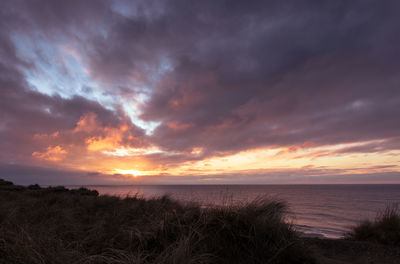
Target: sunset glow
x=97 y=92
x=134 y=173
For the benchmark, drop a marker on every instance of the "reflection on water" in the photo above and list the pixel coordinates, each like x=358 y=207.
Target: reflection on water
x=326 y=210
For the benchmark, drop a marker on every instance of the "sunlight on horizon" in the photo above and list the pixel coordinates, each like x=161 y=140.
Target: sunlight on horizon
x=134 y=173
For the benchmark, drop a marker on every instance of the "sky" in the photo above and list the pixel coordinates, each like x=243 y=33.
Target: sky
x=199 y=92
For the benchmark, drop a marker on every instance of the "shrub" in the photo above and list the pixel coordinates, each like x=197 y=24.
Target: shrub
x=34 y=187
x=385 y=229
x=4 y=182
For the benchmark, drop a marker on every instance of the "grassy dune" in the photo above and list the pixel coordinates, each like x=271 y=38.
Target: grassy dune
x=57 y=225
x=384 y=230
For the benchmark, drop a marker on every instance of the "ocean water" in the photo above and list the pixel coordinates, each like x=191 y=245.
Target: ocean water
x=316 y=210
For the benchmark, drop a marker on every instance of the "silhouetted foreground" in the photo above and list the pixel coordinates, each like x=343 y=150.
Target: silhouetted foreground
x=57 y=225
x=385 y=229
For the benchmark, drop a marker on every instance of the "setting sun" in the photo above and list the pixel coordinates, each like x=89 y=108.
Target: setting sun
x=134 y=173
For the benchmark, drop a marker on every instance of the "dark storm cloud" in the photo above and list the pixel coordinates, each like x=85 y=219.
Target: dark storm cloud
x=254 y=74
x=221 y=75
x=53 y=18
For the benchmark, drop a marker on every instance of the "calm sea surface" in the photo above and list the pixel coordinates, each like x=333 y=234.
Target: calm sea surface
x=323 y=210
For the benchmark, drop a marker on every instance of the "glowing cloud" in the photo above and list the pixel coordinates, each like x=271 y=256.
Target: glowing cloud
x=134 y=173
x=55 y=153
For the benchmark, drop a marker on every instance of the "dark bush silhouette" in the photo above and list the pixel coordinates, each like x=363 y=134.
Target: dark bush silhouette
x=34 y=187
x=4 y=182
x=385 y=229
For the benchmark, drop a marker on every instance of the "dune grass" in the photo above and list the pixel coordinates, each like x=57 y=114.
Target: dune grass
x=57 y=225
x=385 y=229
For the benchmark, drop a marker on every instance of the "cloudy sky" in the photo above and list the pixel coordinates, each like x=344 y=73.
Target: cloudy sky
x=102 y=92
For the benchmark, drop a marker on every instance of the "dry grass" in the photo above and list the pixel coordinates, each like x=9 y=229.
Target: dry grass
x=57 y=225
x=385 y=229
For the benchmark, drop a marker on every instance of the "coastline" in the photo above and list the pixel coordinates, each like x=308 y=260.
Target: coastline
x=38 y=223
x=330 y=210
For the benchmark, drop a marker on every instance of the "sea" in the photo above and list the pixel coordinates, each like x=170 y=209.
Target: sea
x=326 y=211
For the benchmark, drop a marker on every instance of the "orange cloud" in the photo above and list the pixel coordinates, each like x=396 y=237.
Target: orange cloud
x=177 y=126
x=107 y=138
x=87 y=123
x=111 y=141
x=56 y=153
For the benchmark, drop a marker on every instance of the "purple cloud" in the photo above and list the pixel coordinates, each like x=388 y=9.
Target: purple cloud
x=223 y=76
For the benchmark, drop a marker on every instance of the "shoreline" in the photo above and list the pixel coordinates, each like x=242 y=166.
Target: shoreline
x=38 y=223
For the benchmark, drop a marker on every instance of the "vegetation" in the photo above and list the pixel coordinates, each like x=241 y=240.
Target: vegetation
x=57 y=225
x=385 y=229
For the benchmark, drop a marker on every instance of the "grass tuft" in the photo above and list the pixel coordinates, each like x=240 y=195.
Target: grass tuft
x=385 y=229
